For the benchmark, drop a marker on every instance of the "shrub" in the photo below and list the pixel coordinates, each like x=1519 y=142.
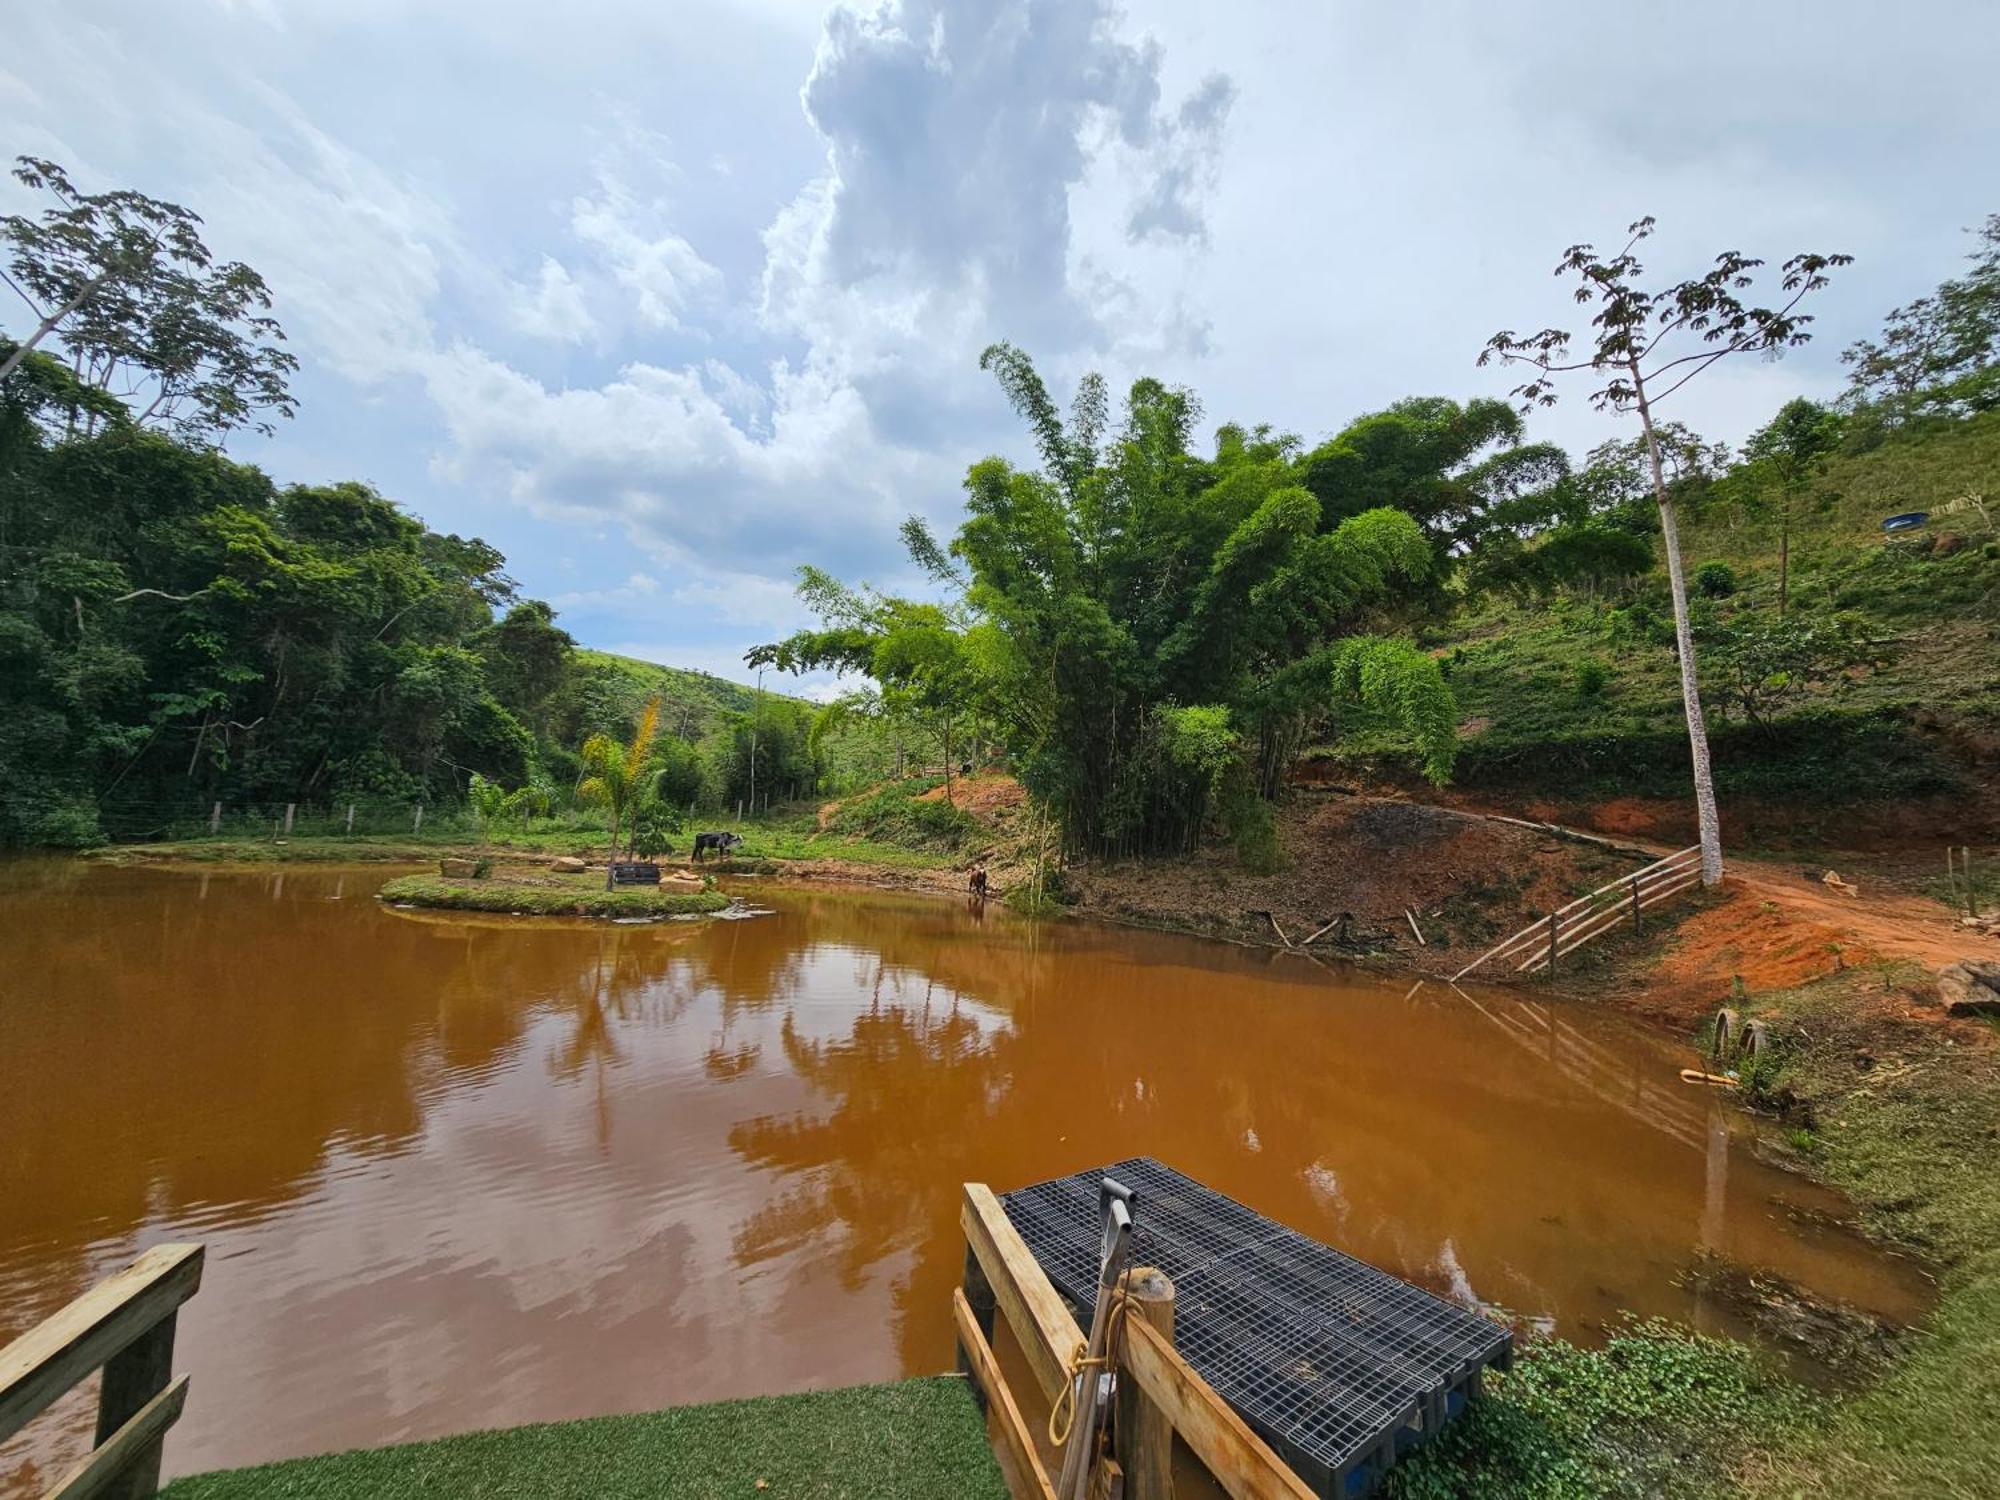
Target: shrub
x=1253 y=827
x=897 y=813
x=1715 y=580
x=1590 y=677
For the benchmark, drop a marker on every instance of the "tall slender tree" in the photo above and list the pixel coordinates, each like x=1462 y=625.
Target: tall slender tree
x=1649 y=342
x=1784 y=456
x=617 y=773
x=141 y=311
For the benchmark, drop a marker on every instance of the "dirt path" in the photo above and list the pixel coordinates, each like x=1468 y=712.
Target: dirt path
x=1888 y=922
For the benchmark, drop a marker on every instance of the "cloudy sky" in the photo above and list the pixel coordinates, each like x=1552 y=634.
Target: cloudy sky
x=665 y=297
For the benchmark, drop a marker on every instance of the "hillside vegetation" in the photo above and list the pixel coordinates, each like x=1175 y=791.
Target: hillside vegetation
x=1578 y=693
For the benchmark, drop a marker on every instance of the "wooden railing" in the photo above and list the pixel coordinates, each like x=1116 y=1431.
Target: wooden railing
x=1160 y=1394
x=1543 y=942
x=125 y=1325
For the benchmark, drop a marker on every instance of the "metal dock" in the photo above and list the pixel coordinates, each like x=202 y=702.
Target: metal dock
x=1337 y=1365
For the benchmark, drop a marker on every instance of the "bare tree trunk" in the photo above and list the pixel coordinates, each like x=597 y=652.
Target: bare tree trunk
x=1704 y=784
x=48 y=326
x=608 y=872
x=1784 y=554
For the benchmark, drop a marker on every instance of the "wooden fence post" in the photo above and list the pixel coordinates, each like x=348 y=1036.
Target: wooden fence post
x=350 y=817
x=215 y=818
x=291 y=808
x=1638 y=925
x=1555 y=927
x=1143 y=1435
x=979 y=1297
x=418 y=826
x=133 y=1377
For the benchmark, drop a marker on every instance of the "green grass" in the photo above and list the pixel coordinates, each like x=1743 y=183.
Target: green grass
x=1903 y=1117
x=337 y=850
x=577 y=900
x=1656 y=1411
x=897 y=812
x=913 y=1440
x=785 y=836
x=1582 y=692
x=1914 y=1138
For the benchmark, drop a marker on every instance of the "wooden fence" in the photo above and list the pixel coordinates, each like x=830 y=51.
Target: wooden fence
x=125 y=1325
x=1159 y=1396
x=1543 y=942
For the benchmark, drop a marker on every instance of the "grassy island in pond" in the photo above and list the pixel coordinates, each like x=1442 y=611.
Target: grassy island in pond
x=548 y=897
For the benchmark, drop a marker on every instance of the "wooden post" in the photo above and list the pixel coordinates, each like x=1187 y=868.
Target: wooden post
x=215 y=818
x=350 y=817
x=133 y=1377
x=291 y=808
x=1637 y=924
x=979 y=1297
x=1555 y=928
x=418 y=826
x=1143 y=1438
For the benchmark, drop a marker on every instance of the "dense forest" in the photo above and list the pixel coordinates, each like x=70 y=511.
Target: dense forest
x=176 y=630
x=1157 y=629
x=1149 y=627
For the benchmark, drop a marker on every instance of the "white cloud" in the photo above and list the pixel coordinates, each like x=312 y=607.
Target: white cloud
x=666 y=276
x=770 y=357
x=553 y=308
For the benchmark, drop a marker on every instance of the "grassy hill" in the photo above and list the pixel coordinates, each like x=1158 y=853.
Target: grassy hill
x=1580 y=694
x=692 y=703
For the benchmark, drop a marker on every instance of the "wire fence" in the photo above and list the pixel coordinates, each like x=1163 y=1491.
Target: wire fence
x=138 y=820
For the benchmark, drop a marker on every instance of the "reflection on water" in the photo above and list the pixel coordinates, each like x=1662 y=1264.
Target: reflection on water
x=461 y=1173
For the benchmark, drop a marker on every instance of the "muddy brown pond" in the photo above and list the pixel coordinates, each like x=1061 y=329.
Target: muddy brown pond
x=459 y=1173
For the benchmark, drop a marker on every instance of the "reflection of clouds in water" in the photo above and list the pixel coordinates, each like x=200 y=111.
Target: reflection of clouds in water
x=1250 y=1141
x=1459 y=1283
x=1325 y=1188
x=828 y=975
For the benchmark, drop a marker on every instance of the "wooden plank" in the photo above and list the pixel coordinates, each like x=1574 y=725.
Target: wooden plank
x=132 y=1378
x=54 y=1355
x=985 y=1373
x=1144 y=1432
x=107 y=1463
x=1042 y=1325
x=1672 y=864
x=1242 y=1463
x=1574 y=940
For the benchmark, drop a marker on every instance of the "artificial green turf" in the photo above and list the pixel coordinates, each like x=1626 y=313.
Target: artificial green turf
x=915 y=1438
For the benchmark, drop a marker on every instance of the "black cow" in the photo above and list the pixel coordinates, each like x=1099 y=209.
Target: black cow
x=721 y=843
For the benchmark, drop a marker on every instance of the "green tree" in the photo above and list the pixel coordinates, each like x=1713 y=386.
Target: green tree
x=486 y=799
x=1763 y=666
x=528 y=657
x=1783 y=457
x=124 y=284
x=1130 y=609
x=615 y=774
x=1462 y=472
x=1647 y=344
x=1936 y=355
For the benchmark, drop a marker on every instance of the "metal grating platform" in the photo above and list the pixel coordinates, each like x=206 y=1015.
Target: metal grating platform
x=1336 y=1364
